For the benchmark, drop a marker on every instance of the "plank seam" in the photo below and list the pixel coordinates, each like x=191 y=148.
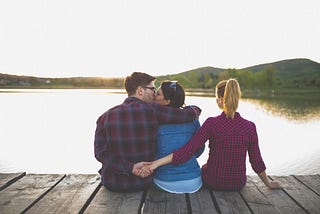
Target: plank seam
x=304 y=209
x=93 y=194
x=291 y=197
x=306 y=185
x=142 y=202
x=295 y=201
x=246 y=203
x=214 y=200
x=188 y=203
x=42 y=195
x=13 y=180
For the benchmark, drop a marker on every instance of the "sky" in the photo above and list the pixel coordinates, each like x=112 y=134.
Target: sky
x=68 y=38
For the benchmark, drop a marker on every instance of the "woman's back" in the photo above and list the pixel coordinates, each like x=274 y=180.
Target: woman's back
x=174 y=178
x=229 y=142
x=230 y=138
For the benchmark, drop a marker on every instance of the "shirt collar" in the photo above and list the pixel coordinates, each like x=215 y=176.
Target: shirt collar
x=236 y=115
x=131 y=98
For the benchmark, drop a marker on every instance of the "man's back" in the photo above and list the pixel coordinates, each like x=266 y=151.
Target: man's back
x=125 y=134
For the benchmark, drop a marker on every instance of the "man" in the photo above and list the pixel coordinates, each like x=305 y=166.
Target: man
x=126 y=134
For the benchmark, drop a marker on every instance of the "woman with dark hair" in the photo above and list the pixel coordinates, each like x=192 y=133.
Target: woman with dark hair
x=182 y=178
x=230 y=138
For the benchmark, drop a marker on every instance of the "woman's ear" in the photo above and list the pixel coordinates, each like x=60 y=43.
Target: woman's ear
x=167 y=102
x=220 y=102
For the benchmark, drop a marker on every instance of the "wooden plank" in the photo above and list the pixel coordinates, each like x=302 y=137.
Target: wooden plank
x=278 y=198
x=8 y=178
x=69 y=196
x=201 y=202
x=312 y=181
x=309 y=200
x=230 y=202
x=158 y=201
x=109 y=202
x=257 y=202
x=20 y=195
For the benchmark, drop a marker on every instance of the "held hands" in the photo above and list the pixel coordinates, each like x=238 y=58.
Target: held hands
x=137 y=167
x=143 y=169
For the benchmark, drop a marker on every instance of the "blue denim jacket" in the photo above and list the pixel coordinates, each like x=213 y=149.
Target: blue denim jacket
x=172 y=137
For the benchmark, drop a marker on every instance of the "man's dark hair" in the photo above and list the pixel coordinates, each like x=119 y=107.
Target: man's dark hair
x=135 y=80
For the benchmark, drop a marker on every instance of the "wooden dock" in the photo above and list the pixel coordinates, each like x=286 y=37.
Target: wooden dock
x=82 y=193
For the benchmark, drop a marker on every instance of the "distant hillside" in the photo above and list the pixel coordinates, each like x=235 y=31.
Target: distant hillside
x=288 y=74
x=196 y=78
x=292 y=73
x=14 y=81
x=290 y=68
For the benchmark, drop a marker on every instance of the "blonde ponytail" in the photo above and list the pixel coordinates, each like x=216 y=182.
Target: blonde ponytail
x=231 y=98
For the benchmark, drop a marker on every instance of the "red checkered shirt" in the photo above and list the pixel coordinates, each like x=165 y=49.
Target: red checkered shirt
x=229 y=141
x=126 y=134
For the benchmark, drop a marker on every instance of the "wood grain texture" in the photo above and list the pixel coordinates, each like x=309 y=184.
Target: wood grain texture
x=23 y=193
x=69 y=196
x=8 y=178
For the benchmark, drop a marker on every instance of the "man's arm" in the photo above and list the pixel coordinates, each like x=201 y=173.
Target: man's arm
x=104 y=155
x=167 y=114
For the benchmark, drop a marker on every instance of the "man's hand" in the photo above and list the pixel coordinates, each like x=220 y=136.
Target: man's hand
x=196 y=109
x=146 y=170
x=137 y=167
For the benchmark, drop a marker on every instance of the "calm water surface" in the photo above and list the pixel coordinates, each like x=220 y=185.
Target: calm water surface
x=52 y=131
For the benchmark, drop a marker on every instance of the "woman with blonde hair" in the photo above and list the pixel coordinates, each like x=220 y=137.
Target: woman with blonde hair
x=230 y=138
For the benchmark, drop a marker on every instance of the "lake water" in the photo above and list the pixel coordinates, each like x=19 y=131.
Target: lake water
x=52 y=131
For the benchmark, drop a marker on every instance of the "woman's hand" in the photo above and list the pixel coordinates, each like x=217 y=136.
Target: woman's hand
x=147 y=170
x=137 y=167
x=274 y=185
x=269 y=183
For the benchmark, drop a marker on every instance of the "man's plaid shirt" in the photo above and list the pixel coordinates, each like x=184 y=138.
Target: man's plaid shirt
x=126 y=134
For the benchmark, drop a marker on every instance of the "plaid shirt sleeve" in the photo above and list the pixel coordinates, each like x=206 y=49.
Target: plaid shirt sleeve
x=167 y=114
x=103 y=154
x=254 y=153
x=197 y=142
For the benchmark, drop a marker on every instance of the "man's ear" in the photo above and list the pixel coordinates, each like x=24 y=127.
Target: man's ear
x=139 y=90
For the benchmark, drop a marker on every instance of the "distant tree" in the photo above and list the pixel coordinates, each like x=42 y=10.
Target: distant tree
x=270 y=76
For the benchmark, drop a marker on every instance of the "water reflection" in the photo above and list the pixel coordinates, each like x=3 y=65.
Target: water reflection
x=298 y=108
x=40 y=130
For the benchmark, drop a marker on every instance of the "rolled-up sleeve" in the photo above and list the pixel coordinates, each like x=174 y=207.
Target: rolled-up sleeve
x=255 y=158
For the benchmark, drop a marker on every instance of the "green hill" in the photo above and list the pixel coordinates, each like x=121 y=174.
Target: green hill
x=14 y=81
x=291 y=69
x=285 y=74
x=292 y=73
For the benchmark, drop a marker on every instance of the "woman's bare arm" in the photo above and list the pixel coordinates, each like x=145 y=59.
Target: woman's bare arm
x=148 y=169
x=267 y=182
